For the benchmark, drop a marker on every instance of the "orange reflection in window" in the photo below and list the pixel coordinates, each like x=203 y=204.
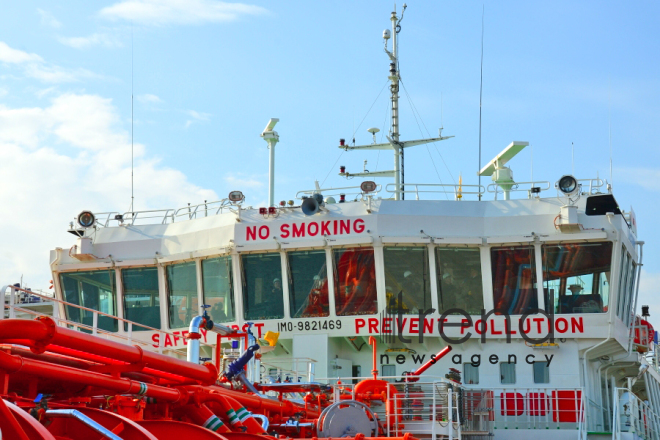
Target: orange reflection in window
x=355 y=282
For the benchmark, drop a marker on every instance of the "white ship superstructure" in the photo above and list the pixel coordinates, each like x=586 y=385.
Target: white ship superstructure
x=533 y=285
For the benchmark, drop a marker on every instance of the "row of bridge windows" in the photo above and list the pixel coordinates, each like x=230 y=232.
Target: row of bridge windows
x=576 y=279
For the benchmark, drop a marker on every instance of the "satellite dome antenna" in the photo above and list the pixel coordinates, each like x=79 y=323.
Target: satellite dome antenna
x=373 y=131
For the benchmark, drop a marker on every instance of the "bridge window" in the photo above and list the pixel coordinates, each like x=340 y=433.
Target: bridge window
x=141 y=297
x=459 y=279
x=355 y=281
x=94 y=290
x=263 y=297
x=182 y=293
x=218 y=288
x=576 y=277
x=470 y=374
x=507 y=373
x=308 y=284
x=388 y=371
x=407 y=274
x=541 y=372
x=514 y=279
x=627 y=276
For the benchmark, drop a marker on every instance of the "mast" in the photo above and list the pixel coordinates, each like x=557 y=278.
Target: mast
x=394 y=142
x=394 y=92
x=271 y=137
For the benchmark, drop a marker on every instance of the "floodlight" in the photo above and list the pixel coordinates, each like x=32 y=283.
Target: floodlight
x=568 y=185
x=86 y=219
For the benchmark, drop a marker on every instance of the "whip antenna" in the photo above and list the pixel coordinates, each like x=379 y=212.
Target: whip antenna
x=132 y=156
x=573 y=158
x=609 y=123
x=481 y=87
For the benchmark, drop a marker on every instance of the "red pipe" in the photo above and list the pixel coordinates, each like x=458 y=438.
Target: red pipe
x=374 y=370
x=203 y=416
x=44 y=332
x=250 y=401
x=12 y=364
x=413 y=375
x=100 y=360
x=231 y=405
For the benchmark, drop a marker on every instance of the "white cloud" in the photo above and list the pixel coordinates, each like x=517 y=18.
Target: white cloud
x=15 y=56
x=149 y=99
x=181 y=12
x=56 y=74
x=648 y=291
x=89 y=41
x=65 y=157
x=240 y=182
x=197 y=117
x=47 y=19
x=34 y=66
x=644 y=177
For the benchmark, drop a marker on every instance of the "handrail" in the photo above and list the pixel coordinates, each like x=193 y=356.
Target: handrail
x=328 y=191
x=95 y=313
x=456 y=189
x=130 y=218
x=634 y=416
x=495 y=188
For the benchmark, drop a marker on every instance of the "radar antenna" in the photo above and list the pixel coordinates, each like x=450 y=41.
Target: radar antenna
x=501 y=175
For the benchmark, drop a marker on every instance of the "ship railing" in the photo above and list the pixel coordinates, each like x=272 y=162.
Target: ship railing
x=18 y=295
x=424 y=408
x=531 y=188
x=12 y=308
x=164 y=216
x=634 y=416
x=421 y=408
x=456 y=190
x=288 y=370
x=349 y=191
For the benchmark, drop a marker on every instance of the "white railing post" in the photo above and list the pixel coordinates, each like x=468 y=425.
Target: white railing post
x=3 y=295
x=433 y=412
x=130 y=332
x=450 y=418
x=95 y=323
x=161 y=342
x=12 y=301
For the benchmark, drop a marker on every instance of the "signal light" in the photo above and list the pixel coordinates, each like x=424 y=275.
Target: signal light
x=342 y=142
x=263 y=211
x=342 y=198
x=290 y=202
x=272 y=210
x=342 y=169
x=282 y=203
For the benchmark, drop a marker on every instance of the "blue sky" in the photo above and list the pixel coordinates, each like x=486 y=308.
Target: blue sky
x=208 y=75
